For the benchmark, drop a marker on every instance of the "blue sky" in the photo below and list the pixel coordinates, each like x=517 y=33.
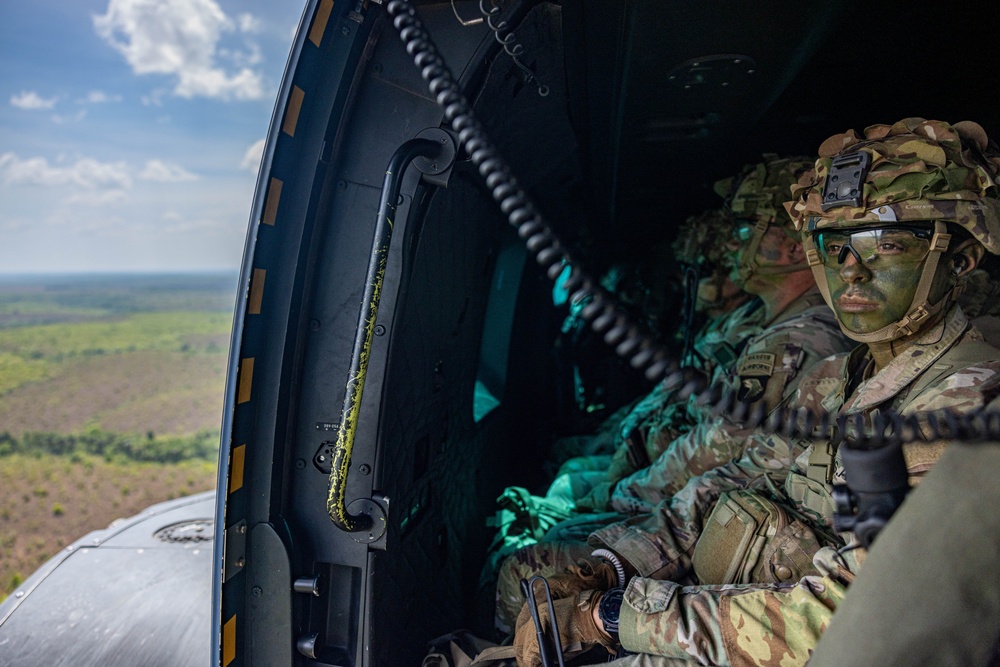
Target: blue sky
x=131 y=130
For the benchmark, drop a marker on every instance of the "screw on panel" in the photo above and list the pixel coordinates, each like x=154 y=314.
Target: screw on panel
x=379 y=330
x=256 y=591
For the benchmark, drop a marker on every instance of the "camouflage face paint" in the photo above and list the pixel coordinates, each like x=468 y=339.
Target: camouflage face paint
x=867 y=298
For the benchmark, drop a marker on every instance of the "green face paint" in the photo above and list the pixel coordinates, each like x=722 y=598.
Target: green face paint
x=867 y=297
x=885 y=245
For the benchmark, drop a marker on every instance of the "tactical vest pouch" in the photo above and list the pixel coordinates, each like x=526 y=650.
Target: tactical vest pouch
x=750 y=539
x=810 y=494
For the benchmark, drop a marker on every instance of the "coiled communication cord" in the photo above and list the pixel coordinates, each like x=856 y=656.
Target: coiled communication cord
x=607 y=318
x=603 y=314
x=859 y=431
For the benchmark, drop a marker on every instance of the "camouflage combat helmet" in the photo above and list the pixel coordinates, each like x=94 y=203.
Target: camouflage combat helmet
x=758 y=195
x=703 y=238
x=915 y=172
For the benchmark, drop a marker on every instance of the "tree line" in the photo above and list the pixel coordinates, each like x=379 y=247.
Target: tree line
x=114 y=446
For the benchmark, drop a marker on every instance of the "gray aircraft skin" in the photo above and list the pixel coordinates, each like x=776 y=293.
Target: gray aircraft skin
x=615 y=118
x=134 y=593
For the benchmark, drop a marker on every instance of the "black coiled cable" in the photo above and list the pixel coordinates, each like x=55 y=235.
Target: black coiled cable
x=602 y=313
x=859 y=431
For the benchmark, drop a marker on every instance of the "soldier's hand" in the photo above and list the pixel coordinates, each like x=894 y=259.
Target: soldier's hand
x=588 y=574
x=578 y=630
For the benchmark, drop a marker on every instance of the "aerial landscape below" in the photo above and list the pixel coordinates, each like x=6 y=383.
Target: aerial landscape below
x=111 y=390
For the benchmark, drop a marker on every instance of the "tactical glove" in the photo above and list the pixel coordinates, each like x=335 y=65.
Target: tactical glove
x=577 y=629
x=588 y=574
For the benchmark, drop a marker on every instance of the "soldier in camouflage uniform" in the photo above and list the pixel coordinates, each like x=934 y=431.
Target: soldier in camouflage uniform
x=911 y=212
x=522 y=518
x=798 y=330
x=732 y=315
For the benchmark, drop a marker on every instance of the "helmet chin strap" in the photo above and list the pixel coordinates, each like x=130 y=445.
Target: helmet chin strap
x=748 y=267
x=920 y=309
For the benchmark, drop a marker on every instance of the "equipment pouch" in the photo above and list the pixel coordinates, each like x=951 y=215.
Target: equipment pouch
x=750 y=539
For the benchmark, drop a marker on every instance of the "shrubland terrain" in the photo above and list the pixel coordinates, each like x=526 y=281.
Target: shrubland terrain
x=111 y=394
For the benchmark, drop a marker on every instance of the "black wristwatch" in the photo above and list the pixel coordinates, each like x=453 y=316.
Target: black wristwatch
x=610 y=609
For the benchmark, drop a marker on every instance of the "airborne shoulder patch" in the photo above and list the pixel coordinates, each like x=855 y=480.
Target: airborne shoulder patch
x=758 y=364
x=751 y=389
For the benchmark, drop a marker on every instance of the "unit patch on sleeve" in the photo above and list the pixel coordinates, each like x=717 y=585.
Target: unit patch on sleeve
x=754 y=371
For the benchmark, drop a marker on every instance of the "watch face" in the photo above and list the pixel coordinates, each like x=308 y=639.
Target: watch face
x=610 y=610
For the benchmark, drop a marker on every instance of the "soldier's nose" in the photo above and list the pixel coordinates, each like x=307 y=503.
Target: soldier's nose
x=852 y=269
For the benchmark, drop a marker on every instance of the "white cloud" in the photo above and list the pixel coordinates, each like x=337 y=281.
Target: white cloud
x=252 y=158
x=85 y=173
x=164 y=172
x=29 y=99
x=92 y=198
x=98 y=97
x=249 y=23
x=243 y=57
x=71 y=118
x=178 y=38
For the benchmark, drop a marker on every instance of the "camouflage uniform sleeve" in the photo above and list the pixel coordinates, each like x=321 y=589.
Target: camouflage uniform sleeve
x=659 y=418
x=656 y=414
x=739 y=625
x=660 y=544
x=704 y=447
x=771 y=368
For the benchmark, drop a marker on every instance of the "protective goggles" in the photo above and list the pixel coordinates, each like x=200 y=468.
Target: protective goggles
x=885 y=246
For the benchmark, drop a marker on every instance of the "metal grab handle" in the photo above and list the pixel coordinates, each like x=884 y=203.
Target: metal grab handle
x=336 y=504
x=527 y=587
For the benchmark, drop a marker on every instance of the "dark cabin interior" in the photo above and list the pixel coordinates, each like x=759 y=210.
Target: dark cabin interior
x=648 y=104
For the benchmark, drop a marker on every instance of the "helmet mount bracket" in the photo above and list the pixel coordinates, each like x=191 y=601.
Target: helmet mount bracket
x=845 y=183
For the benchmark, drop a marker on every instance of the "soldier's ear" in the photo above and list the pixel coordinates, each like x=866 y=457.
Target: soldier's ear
x=796 y=254
x=966 y=257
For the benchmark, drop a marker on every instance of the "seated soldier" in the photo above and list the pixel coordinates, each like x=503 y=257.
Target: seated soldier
x=798 y=331
x=893 y=224
x=704 y=240
x=730 y=317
